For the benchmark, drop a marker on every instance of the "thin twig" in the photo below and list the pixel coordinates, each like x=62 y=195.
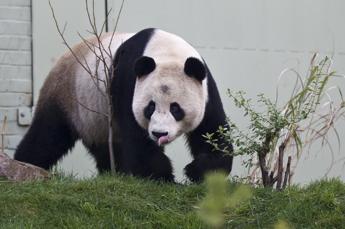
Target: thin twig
x=65 y=41
x=262 y=161
x=287 y=172
x=116 y=24
x=91 y=110
x=280 y=165
x=3 y=131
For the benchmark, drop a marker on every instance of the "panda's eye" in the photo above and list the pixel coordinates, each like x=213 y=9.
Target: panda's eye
x=149 y=109
x=176 y=111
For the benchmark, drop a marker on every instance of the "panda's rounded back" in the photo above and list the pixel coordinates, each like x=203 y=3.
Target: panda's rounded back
x=78 y=94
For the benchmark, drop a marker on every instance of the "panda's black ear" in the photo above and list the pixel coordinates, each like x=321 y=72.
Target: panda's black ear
x=193 y=67
x=144 y=65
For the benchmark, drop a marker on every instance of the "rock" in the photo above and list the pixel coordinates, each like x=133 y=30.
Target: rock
x=14 y=170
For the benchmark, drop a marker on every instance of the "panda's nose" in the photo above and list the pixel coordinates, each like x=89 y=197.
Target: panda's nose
x=159 y=134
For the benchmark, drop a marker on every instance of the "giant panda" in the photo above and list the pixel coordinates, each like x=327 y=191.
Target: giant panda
x=161 y=89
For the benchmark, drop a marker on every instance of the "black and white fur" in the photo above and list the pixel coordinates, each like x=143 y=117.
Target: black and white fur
x=161 y=89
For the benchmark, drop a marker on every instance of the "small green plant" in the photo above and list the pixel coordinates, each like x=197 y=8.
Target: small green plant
x=213 y=207
x=281 y=224
x=276 y=130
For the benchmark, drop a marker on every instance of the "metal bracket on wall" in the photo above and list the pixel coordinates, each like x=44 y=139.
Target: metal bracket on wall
x=24 y=116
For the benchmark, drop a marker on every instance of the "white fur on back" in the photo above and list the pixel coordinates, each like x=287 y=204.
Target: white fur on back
x=168 y=47
x=93 y=126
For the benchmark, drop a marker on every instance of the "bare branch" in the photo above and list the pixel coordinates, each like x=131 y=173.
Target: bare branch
x=3 y=131
x=92 y=110
x=116 y=24
x=92 y=21
x=281 y=150
x=103 y=57
x=65 y=42
x=287 y=173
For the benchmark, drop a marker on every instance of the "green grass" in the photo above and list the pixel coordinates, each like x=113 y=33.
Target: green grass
x=127 y=202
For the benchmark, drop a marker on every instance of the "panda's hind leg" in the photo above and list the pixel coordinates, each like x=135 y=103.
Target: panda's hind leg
x=100 y=153
x=48 y=139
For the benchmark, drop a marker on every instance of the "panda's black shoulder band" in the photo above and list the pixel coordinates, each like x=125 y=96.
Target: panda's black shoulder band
x=193 y=67
x=144 y=65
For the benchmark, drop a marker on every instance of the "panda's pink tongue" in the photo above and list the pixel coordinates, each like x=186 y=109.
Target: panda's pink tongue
x=163 y=140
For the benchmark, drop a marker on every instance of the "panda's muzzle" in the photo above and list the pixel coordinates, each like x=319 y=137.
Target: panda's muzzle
x=162 y=137
x=159 y=134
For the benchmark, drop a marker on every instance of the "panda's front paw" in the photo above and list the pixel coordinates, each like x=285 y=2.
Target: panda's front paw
x=193 y=172
x=205 y=163
x=196 y=170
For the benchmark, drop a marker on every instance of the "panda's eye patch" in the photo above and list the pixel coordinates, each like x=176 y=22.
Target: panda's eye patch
x=176 y=111
x=149 y=109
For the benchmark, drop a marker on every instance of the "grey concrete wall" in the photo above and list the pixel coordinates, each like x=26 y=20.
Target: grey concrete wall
x=15 y=68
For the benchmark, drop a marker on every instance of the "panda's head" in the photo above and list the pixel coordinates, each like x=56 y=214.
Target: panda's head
x=169 y=97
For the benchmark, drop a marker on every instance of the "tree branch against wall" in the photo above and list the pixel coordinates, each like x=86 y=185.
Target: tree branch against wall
x=3 y=132
x=103 y=55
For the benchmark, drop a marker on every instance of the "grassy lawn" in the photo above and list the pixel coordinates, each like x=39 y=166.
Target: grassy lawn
x=126 y=202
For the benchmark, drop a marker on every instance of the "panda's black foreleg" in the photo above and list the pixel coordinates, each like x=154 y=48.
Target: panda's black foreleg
x=49 y=138
x=144 y=158
x=160 y=167
x=207 y=162
x=206 y=159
